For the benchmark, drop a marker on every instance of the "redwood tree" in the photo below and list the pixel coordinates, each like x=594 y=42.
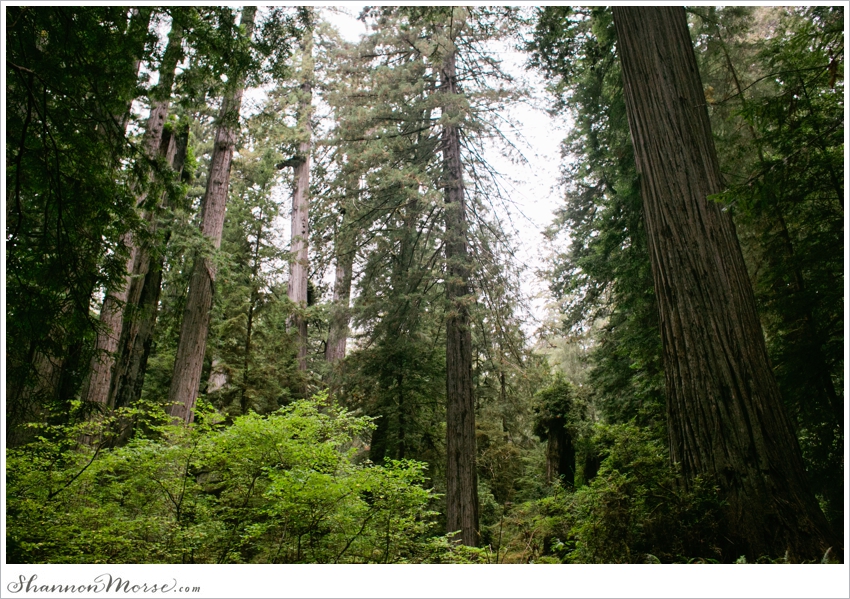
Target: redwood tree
x=461 y=479
x=127 y=291
x=299 y=267
x=724 y=410
x=196 y=318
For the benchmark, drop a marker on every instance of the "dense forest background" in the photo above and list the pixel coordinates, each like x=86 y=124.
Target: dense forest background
x=186 y=383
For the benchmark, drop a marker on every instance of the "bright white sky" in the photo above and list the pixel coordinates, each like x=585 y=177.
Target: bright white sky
x=533 y=187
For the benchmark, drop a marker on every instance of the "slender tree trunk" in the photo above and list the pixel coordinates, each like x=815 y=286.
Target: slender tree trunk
x=196 y=317
x=461 y=483
x=401 y=451
x=340 y=313
x=112 y=312
x=299 y=267
x=724 y=411
x=255 y=271
x=137 y=30
x=378 y=443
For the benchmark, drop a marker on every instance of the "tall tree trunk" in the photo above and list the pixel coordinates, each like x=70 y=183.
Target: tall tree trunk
x=299 y=267
x=143 y=297
x=461 y=483
x=246 y=363
x=196 y=317
x=112 y=312
x=340 y=312
x=137 y=31
x=725 y=415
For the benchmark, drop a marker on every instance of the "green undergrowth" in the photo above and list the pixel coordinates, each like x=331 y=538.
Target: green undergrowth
x=282 y=488
x=632 y=511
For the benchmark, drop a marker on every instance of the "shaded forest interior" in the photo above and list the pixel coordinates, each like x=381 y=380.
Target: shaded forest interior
x=264 y=304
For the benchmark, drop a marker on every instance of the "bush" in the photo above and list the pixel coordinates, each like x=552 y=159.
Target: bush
x=276 y=489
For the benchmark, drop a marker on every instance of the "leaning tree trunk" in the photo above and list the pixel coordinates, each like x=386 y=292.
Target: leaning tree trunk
x=461 y=479
x=724 y=411
x=112 y=312
x=196 y=317
x=299 y=267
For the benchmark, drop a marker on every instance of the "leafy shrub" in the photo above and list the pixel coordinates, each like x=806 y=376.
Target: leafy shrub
x=281 y=488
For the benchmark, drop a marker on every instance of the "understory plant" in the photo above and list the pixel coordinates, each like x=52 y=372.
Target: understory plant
x=282 y=488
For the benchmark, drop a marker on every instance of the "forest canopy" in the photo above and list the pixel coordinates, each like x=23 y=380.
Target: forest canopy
x=265 y=299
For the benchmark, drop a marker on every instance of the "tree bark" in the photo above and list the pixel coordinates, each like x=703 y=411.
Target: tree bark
x=338 y=333
x=196 y=317
x=340 y=312
x=560 y=454
x=143 y=297
x=246 y=363
x=112 y=312
x=461 y=483
x=724 y=411
x=299 y=267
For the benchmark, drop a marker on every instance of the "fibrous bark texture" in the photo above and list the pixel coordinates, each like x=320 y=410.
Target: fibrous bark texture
x=725 y=415
x=461 y=478
x=100 y=388
x=196 y=318
x=340 y=314
x=299 y=268
x=560 y=455
x=143 y=296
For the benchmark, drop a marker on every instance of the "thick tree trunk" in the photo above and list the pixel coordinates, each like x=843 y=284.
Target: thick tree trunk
x=461 y=483
x=143 y=297
x=560 y=455
x=112 y=312
x=111 y=316
x=724 y=411
x=196 y=317
x=299 y=267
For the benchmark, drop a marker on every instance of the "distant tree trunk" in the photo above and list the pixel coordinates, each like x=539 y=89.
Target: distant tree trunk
x=112 y=312
x=340 y=312
x=560 y=454
x=196 y=317
x=461 y=483
x=299 y=267
x=724 y=411
x=378 y=443
x=401 y=450
x=244 y=399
